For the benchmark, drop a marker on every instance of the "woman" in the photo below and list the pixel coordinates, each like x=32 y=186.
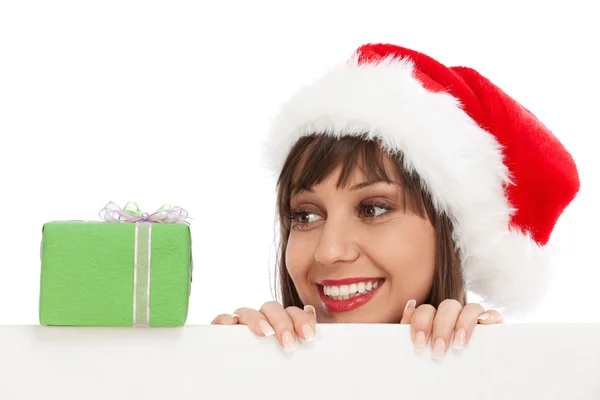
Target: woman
x=402 y=185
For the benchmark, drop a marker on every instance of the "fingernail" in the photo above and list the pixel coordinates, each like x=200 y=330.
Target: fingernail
x=310 y=309
x=234 y=316
x=308 y=332
x=411 y=303
x=266 y=329
x=483 y=316
x=500 y=318
x=439 y=348
x=459 y=339
x=289 y=343
x=420 y=341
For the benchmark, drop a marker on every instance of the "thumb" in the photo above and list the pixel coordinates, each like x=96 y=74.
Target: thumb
x=226 y=319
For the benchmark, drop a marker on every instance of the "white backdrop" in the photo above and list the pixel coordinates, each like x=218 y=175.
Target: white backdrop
x=168 y=102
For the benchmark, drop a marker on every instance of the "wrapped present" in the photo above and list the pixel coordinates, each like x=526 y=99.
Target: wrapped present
x=129 y=269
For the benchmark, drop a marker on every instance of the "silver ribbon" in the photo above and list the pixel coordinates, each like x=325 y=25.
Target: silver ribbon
x=141 y=274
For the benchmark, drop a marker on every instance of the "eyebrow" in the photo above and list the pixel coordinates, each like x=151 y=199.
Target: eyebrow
x=369 y=183
x=353 y=188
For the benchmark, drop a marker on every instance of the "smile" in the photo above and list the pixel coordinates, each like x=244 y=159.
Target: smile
x=348 y=294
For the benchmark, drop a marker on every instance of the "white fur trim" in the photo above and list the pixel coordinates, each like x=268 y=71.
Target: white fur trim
x=460 y=164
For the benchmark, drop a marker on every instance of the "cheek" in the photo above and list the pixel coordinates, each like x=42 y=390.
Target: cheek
x=407 y=253
x=299 y=258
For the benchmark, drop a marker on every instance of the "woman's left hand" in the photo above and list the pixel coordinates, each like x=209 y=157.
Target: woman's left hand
x=451 y=321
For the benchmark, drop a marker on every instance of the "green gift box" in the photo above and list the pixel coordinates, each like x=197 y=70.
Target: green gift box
x=134 y=270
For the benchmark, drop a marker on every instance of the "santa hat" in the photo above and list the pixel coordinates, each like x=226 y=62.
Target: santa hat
x=500 y=175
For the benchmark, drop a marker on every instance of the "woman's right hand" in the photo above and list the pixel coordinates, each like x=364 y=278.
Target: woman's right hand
x=287 y=324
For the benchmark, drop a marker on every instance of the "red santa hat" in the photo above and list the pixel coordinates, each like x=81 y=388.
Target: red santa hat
x=500 y=175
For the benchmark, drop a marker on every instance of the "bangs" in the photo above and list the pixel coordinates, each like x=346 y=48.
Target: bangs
x=315 y=157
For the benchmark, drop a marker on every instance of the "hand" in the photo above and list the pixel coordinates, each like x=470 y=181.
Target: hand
x=272 y=319
x=451 y=319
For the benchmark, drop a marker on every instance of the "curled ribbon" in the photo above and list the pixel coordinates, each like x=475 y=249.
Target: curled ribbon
x=132 y=213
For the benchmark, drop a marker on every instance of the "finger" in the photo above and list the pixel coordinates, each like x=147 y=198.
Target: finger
x=409 y=310
x=490 y=317
x=466 y=324
x=443 y=325
x=304 y=323
x=226 y=319
x=282 y=323
x=311 y=310
x=256 y=321
x=421 y=324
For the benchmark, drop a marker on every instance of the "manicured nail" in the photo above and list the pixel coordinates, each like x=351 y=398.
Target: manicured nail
x=420 y=341
x=234 y=316
x=308 y=332
x=310 y=309
x=483 y=316
x=289 y=343
x=266 y=329
x=459 y=339
x=411 y=303
x=439 y=348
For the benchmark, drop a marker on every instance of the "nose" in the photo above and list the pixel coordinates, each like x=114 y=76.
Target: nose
x=337 y=244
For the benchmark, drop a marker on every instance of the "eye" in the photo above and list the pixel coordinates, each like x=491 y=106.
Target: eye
x=306 y=217
x=373 y=210
x=302 y=218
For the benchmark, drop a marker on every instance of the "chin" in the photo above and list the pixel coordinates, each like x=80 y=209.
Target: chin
x=375 y=312
x=359 y=318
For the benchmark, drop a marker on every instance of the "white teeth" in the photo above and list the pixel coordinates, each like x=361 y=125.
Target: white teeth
x=361 y=287
x=353 y=288
x=345 y=292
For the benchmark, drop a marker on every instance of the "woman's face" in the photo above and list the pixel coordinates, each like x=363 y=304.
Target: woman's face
x=355 y=254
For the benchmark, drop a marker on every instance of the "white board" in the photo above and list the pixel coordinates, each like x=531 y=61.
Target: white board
x=343 y=362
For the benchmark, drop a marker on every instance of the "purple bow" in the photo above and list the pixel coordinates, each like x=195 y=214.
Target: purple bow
x=132 y=213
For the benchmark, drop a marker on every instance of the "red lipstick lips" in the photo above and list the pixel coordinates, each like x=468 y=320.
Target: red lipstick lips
x=351 y=303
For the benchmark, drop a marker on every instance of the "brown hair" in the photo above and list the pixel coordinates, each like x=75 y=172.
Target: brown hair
x=313 y=158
